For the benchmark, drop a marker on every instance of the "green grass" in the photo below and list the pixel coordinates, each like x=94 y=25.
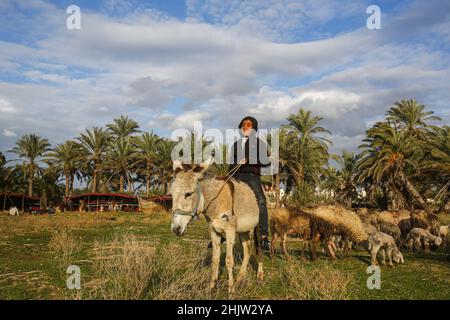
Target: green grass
x=29 y=269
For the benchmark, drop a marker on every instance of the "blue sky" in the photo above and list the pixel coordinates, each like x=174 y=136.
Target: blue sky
x=167 y=64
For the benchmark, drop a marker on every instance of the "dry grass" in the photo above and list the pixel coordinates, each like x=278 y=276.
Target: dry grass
x=71 y=220
x=129 y=268
x=306 y=284
x=64 y=247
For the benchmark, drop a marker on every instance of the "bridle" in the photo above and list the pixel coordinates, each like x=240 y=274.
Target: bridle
x=195 y=212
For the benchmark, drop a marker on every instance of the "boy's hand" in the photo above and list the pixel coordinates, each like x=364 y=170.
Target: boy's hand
x=242 y=161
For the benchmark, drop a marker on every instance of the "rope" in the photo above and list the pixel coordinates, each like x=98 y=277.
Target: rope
x=230 y=175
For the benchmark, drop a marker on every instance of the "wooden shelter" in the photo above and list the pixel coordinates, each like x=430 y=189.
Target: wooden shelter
x=102 y=202
x=20 y=201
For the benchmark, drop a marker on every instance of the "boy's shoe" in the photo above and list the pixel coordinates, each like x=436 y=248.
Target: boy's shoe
x=265 y=244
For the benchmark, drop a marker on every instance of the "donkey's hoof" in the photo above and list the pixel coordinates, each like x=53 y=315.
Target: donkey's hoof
x=212 y=284
x=260 y=276
x=231 y=289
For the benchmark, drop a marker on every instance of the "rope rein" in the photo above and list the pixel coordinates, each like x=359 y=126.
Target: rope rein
x=230 y=175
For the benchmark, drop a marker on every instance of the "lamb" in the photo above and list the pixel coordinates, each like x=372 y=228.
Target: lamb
x=443 y=231
x=386 y=243
x=418 y=236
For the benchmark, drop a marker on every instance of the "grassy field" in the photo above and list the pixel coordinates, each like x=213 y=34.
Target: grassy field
x=135 y=256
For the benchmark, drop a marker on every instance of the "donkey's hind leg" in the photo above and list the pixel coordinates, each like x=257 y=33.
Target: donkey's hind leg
x=245 y=240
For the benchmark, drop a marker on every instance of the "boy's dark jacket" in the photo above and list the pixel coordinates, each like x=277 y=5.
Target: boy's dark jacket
x=253 y=146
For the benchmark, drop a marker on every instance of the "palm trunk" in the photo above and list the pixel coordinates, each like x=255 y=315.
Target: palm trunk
x=67 y=175
x=130 y=183
x=414 y=193
x=148 y=176
x=94 y=183
x=121 y=183
x=94 y=179
x=147 y=184
x=72 y=177
x=30 y=181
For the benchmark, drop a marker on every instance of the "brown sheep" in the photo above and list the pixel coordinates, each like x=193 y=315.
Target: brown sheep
x=393 y=217
x=405 y=227
x=367 y=215
x=330 y=221
x=289 y=221
x=391 y=229
x=423 y=220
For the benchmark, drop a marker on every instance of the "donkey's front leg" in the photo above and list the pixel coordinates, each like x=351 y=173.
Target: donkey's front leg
x=229 y=260
x=215 y=240
x=245 y=240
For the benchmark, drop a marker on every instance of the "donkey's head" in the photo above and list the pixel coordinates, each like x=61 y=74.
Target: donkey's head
x=187 y=198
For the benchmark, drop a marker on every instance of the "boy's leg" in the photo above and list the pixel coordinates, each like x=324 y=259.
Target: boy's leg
x=254 y=182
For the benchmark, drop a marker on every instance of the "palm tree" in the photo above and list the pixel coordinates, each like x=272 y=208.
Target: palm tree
x=164 y=163
x=119 y=159
x=410 y=116
x=65 y=158
x=32 y=148
x=347 y=162
x=94 y=144
x=389 y=157
x=436 y=164
x=309 y=151
x=3 y=171
x=146 y=155
x=123 y=127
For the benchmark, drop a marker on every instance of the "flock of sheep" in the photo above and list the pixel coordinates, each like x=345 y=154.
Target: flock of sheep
x=381 y=233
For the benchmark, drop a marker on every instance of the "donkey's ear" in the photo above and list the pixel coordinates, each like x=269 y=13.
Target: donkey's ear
x=202 y=167
x=177 y=166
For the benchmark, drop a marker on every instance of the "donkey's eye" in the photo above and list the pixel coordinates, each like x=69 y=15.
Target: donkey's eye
x=188 y=194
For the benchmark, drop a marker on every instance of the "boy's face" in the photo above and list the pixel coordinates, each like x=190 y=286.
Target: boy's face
x=247 y=127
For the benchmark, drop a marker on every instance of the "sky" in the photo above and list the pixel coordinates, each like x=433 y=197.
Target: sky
x=169 y=63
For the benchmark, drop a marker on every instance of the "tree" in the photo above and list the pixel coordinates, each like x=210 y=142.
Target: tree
x=309 y=149
x=32 y=148
x=94 y=143
x=119 y=159
x=411 y=117
x=146 y=155
x=65 y=158
x=123 y=127
x=347 y=190
x=164 y=163
x=390 y=156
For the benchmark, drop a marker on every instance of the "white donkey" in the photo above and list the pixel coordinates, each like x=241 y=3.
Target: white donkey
x=229 y=207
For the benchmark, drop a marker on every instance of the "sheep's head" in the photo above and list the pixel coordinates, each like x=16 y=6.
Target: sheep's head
x=397 y=256
x=438 y=241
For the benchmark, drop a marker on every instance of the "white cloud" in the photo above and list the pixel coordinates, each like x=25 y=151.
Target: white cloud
x=142 y=62
x=8 y=133
x=6 y=106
